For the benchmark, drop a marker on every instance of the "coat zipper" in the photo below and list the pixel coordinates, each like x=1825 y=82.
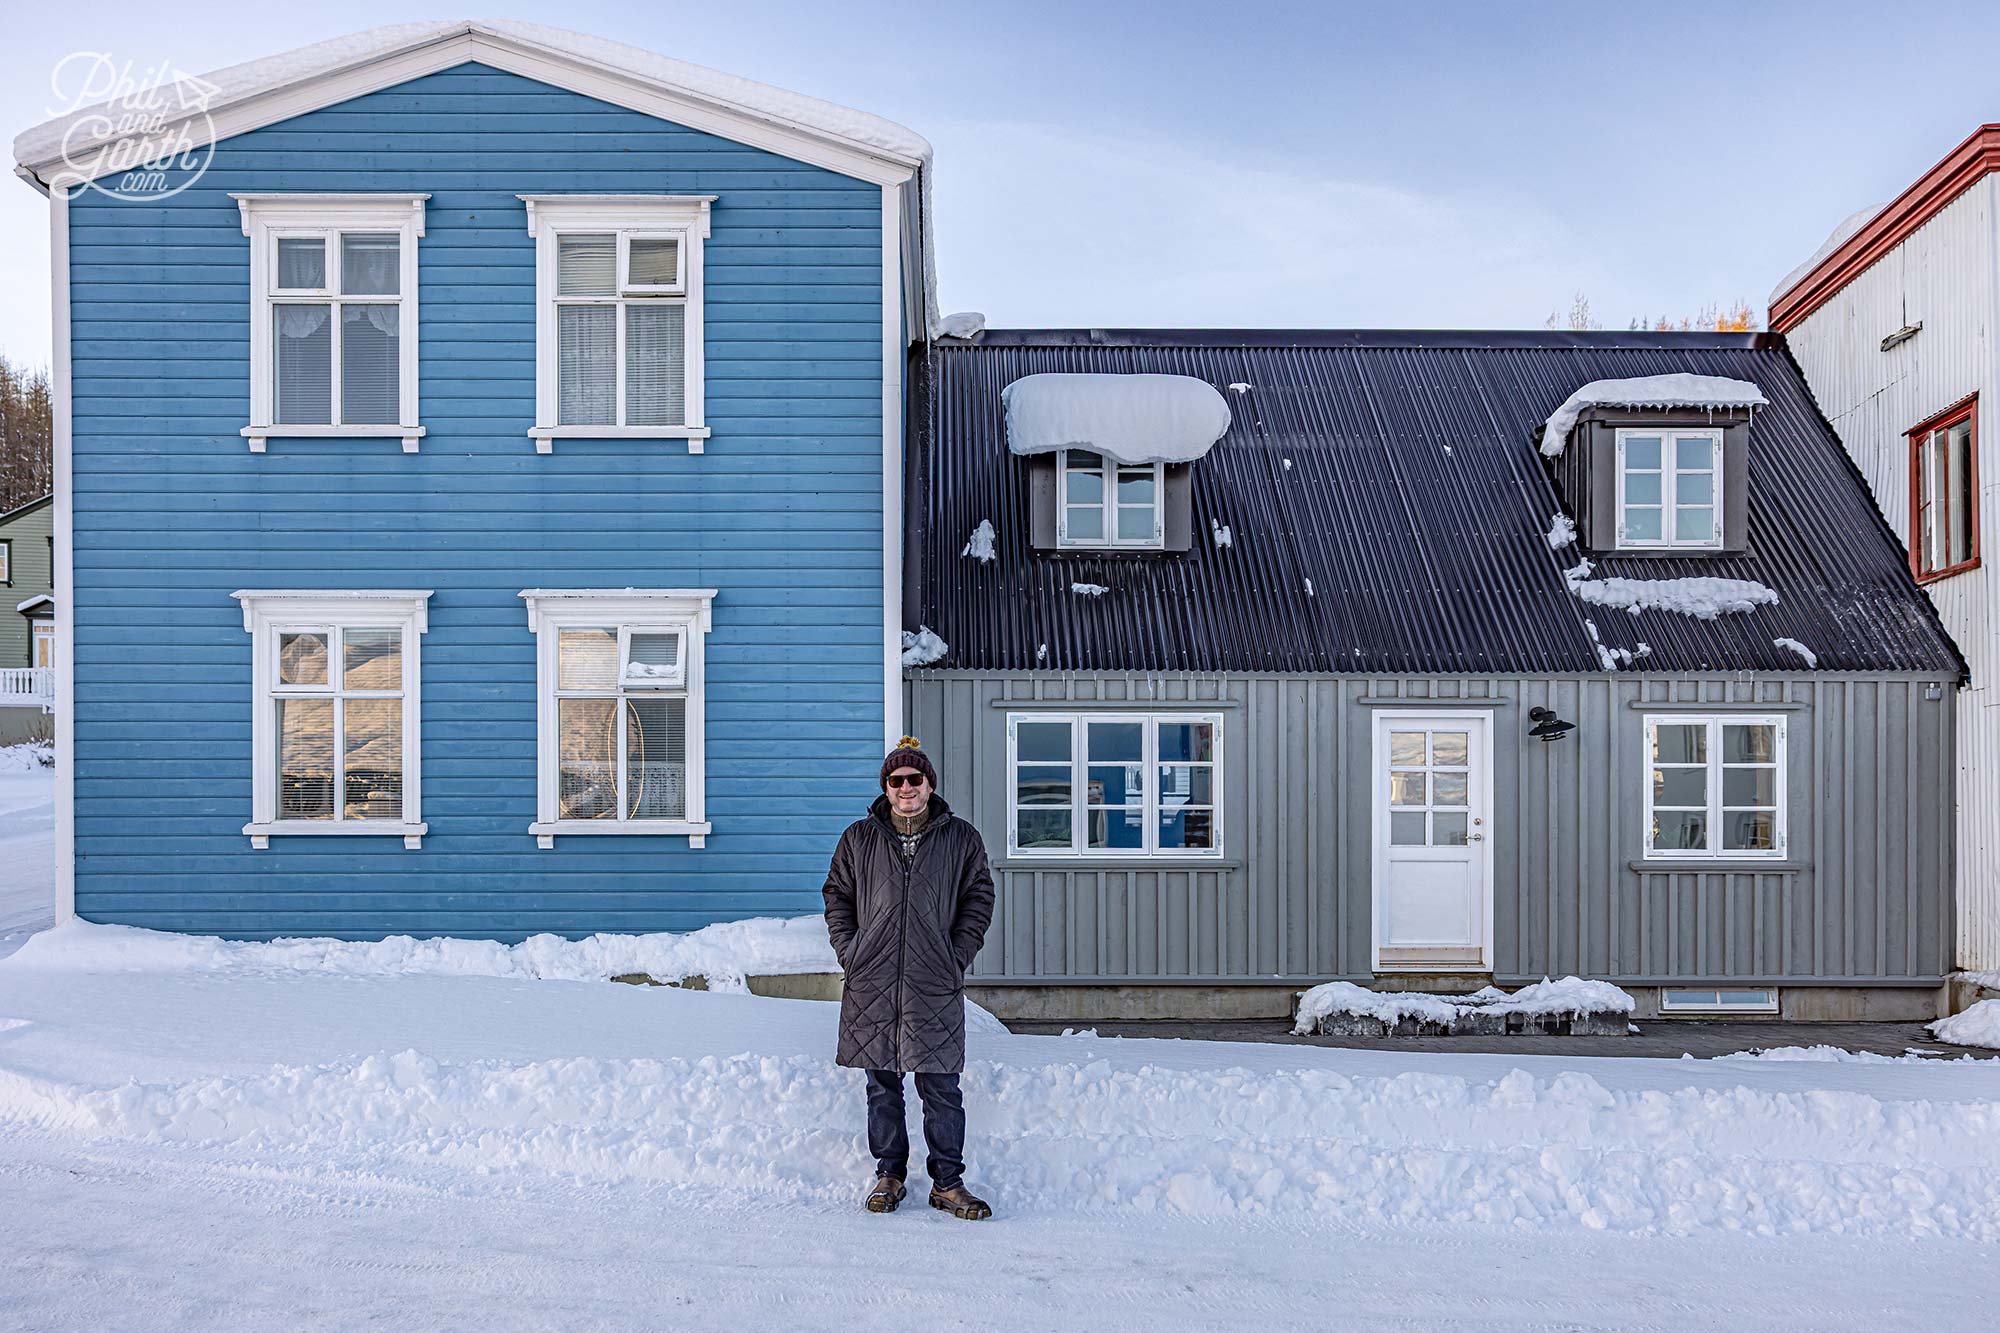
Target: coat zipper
x=903 y=924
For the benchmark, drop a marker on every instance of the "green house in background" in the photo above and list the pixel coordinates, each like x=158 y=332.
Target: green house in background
x=27 y=622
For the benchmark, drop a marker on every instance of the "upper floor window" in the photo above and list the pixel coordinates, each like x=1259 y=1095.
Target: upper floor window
x=618 y=323
x=1667 y=488
x=335 y=697
x=1715 y=786
x=1114 y=784
x=6 y=562
x=621 y=706
x=333 y=314
x=1104 y=503
x=1944 y=493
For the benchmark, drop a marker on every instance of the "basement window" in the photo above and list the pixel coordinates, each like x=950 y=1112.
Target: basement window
x=1757 y=1001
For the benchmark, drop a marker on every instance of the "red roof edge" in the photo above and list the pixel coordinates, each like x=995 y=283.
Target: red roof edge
x=1951 y=177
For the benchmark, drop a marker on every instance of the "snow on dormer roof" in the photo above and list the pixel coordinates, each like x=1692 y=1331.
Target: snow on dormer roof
x=1700 y=391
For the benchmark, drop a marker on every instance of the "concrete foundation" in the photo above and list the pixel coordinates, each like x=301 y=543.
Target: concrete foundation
x=1960 y=992
x=793 y=986
x=1087 y=1004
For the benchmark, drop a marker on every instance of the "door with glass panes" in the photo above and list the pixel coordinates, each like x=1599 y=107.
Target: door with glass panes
x=1433 y=818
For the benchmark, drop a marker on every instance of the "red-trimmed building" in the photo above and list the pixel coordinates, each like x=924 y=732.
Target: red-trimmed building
x=1893 y=323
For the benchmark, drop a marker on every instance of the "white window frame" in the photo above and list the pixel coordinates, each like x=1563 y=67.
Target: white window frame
x=269 y=613
x=1669 y=437
x=268 y=217
x=42 y=642
x=685 y=217
x=1109 y=469
x=1716 y=1004
x=6 y=560
x=647 y=610
x=1079 y=805
x=1715 y=809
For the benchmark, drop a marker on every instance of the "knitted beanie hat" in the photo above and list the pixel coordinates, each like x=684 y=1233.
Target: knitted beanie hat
x=908 y=754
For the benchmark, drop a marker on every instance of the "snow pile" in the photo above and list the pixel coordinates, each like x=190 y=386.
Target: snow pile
x=1839 y=236
x=724 y=954
x=964 y=324
x=979 y=546
x=1977 y=1026
x=1088 y=589
x=28 y=757
x=1679 y=390
x=1221 y=533
x=1702 y=598
x=1806 y=654
x=1572 y=996
x=1836 y=1055
x=1562 y=531
x=1131 y=418
x=1611 y=658
x=922 y=646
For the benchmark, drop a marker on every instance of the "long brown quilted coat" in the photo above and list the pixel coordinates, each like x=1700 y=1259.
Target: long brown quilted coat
x=905 y=935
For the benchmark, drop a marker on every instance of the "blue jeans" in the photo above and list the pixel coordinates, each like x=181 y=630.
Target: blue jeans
x=944 y=1126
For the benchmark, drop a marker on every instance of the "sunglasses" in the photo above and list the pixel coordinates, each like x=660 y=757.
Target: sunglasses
x=906 y=779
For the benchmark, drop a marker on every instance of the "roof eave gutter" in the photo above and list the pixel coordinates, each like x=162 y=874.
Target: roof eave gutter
x=27 y=173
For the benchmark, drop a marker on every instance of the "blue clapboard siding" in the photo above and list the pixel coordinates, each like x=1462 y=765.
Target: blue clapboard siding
x=782 y=514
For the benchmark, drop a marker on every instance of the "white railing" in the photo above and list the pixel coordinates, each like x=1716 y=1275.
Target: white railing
x=27 y=687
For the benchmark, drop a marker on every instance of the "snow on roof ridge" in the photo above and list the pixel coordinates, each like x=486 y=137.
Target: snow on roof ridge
x=252 y=78
x=1839 y=236
x=1676 y=390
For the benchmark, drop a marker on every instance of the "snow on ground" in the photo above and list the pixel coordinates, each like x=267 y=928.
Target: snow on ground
x=27 y=844
x=1976 y=1026
x=1569 y=995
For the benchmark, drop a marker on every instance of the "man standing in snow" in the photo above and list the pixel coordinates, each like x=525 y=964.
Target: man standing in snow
x=908 y=899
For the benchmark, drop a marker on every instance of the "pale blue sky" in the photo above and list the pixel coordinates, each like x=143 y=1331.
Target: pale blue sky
x=1313 y=165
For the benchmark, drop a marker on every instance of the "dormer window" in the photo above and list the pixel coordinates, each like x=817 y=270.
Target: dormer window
x=1103 y=503
x=1667 y=488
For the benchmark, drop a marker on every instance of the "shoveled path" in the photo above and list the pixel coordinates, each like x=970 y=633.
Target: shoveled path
x=1667 y=1040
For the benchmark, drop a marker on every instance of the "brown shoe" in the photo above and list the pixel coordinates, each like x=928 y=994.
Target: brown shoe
x=888 y=1192
x=960 y=1202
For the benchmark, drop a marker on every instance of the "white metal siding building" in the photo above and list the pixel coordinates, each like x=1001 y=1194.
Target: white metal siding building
x=1893 y=326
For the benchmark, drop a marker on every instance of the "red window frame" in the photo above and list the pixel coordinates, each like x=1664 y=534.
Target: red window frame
x=1966 y=410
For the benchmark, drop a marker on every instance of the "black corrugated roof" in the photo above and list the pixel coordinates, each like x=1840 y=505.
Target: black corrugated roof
x=1415 y=503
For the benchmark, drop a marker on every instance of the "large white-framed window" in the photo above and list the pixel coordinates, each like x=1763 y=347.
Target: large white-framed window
x=335 y=707
x=1669 y=488
x=620 y=711
x=1114 y=784
x=333 y=315
x=1715 y=786
x=618 y=317
x=1101 y=502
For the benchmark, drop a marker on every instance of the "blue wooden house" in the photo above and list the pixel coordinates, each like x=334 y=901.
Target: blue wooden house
x=479 y=465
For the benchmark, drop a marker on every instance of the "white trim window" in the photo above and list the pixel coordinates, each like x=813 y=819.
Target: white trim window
x=1723 y=1000
x=42 y=652
x=618 y=317
x=335 y=707
x=333 y=315
x=1670 y=488
x=1100 y=502
x=1114 y=784
x=620 y=703
x=1715 y=786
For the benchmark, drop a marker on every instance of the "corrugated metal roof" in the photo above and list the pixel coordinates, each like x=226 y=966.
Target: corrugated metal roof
x=1415 y=504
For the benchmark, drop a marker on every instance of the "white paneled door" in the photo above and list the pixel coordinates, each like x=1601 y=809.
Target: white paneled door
x=1432 y=775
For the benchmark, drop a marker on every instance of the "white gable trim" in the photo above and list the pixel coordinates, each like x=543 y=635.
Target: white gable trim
x=742 y=125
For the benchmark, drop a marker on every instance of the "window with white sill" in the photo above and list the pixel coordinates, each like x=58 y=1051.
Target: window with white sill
x=621 y=709
x=1715 y=787
x=618 y=327
x=335 y=713
x=333 y=322
x=1103 y=503
x=1114 y=784
x=1669 y=488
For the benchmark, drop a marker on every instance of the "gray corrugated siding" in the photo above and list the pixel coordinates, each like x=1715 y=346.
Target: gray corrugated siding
x=1864 y=897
